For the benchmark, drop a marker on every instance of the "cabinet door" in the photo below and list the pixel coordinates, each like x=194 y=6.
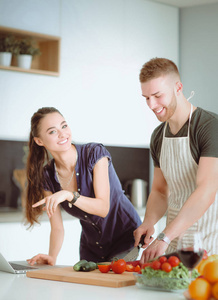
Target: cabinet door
x=18 y=243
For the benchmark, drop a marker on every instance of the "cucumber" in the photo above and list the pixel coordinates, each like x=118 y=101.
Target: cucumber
x=84 y=265
x=89 y=266
x=92 y=265
x=79 y=264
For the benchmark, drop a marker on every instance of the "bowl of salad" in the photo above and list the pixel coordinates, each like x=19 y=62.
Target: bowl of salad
x=164 y=274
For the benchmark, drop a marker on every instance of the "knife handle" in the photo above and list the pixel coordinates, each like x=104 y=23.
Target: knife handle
x=141 y=243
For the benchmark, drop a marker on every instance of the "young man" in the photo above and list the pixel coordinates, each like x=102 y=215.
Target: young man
x=184 y=149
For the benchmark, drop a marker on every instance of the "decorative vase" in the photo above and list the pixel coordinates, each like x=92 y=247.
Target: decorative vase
x=5 y=59
x=24 y=61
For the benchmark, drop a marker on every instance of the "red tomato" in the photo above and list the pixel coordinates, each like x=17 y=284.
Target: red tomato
x=104 y=268
x=156 y=265
x=174 y=261
x=146 y=265
x=166 y=267
x=118 y=266
x=162 y=259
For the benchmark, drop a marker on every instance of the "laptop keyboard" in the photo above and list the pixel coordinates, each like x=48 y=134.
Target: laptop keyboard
x=20 y=267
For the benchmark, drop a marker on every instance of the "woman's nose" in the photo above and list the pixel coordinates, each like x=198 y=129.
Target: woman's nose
x=60 y=133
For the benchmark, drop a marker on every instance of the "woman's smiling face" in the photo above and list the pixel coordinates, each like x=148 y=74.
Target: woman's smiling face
x=54 y=133
x=160 y=97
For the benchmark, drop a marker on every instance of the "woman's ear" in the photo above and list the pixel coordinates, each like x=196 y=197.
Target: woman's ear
x=38 y=141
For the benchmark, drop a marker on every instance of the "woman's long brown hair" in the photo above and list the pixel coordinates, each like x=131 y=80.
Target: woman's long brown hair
x=36 y=160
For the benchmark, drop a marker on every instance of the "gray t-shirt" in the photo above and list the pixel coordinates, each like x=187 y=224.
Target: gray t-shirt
x=203 y=136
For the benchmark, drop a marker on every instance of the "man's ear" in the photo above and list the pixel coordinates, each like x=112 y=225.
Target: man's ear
x=179 y=88
x=38 y=141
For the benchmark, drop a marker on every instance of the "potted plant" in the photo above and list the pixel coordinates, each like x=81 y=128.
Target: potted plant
x=7 y=44
x=25 y=51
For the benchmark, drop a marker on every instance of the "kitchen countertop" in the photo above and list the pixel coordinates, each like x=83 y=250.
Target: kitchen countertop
x=20 y=287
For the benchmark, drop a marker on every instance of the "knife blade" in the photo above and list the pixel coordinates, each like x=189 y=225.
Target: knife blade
x=133 y=254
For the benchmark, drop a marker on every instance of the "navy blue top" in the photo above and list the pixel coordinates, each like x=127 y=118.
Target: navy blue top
x=101 y=238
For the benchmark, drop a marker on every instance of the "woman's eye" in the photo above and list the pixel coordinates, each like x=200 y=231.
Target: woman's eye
x=52 y=132
x=64 y=126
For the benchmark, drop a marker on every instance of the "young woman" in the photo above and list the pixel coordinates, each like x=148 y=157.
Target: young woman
x=81 y=179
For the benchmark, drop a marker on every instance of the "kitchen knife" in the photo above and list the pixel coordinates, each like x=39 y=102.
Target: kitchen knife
x=133 y=254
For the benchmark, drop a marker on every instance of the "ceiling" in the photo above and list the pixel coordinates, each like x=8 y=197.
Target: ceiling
x=185 y=3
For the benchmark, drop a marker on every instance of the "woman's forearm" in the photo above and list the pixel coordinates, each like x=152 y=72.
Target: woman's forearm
x=56 y=241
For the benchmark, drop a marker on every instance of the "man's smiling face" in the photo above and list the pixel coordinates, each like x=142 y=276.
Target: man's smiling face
x=160 y=96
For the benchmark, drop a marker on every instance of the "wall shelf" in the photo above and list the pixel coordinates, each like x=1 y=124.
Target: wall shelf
x=48 y=63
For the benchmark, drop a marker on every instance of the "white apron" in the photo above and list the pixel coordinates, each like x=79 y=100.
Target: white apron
x=180 y=170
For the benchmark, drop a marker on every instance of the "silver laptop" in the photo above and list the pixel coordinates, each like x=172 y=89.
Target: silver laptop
x=19 y=267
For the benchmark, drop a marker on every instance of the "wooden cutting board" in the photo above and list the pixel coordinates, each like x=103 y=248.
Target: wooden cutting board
x=95 y=277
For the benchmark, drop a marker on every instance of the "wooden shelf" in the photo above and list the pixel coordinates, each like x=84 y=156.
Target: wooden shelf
x=48 y=63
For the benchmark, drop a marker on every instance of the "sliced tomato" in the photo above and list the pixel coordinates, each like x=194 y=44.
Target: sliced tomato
x=104 y=268
x=130 y=268
x=137 y=268
x=134 y=263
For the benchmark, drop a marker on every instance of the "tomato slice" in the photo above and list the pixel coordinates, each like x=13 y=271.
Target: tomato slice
x=104 y=268
x=137 y=268
x=129 y=268
x=134 y=263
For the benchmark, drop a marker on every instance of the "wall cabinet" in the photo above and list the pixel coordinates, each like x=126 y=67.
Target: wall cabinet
x=48 y=63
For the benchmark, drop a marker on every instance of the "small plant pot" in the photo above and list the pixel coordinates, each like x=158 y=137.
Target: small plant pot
x=5 y=59
x=24 y=61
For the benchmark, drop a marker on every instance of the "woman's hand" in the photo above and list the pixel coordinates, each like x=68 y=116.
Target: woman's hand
x=51 y=201
x=42 y=259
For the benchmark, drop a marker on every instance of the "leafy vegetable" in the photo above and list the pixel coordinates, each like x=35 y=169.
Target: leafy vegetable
x=177 y=278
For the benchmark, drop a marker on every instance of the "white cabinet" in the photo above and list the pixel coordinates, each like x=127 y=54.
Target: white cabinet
x=18 y=243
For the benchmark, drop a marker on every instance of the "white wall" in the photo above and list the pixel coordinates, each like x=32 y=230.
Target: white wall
x=104 y=45
x=199 y=54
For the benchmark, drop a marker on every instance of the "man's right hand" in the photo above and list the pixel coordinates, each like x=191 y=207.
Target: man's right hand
x=144 y=229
